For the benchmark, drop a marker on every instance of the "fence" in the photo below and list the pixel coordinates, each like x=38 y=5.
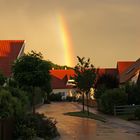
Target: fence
x=6 y=129
x=125 y=109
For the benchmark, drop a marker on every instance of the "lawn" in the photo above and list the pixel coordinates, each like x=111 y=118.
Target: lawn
x=84 y=114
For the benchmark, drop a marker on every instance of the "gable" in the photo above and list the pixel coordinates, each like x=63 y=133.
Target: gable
x=131 y=73
x=123 y=65
x=59 y=78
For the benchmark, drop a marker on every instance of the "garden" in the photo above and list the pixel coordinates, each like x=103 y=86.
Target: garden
x=110 y=95
x=20 y=94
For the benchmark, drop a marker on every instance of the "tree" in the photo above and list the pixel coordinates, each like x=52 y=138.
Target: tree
x=31 y=71
x=56 y=66
x=104 y=82
x=2 y=79
x=133 y=93
x=85 y=77
x=107 y=80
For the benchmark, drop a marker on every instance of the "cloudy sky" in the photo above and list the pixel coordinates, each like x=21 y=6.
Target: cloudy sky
x=104 y=30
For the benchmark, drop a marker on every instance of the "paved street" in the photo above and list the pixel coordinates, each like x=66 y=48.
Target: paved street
x=75 y=128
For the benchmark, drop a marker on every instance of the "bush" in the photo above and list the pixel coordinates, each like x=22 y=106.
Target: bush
x=99 y=92
x=6 y=106
x=107 y=80
x=30 y=126
x=9 y=106
x=137 y=114
x=22 y=96
x=133 y=91
x=11 y=83
x=47 y=101
x=55 y=96
x=2 y=79
x=38 y=94
x=70 y=99
x=110 y=98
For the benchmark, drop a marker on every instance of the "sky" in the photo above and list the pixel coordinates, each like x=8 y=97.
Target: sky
x=106 y=31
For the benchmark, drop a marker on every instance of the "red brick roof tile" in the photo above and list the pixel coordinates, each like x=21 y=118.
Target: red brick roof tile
x=60 y=78
x=123 y=65
x=110 y=71
x=9 y=51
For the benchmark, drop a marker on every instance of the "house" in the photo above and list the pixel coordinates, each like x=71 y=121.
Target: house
x=108 y=71
x=61 y=81
x=131 y=73
x=125 y=71
x=10 y=50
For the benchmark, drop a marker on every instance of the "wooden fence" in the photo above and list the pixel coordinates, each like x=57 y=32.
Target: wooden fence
x=6 y=129
x=125 y=109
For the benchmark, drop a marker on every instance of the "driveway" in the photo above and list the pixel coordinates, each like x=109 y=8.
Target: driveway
x=75 y=128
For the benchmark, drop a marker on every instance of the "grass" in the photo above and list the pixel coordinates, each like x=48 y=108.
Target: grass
x=85 y=115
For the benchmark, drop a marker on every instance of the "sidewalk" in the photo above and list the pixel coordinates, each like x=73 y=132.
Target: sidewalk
x=115 y=122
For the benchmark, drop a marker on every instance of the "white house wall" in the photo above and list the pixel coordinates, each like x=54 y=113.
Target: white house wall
x=135 y=78
x=68 y=92
x=21 y=51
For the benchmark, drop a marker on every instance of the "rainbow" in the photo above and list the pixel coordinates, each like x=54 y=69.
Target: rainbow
x=65 y=40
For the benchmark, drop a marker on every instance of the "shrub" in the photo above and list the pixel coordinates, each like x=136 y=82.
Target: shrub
x=47 y=101
x=137 y=113
x=22 y=96
x=12 y=104
x=112 y=97
x=133 y=91
x=38 y=94
x=35 y=125
x=6 y=108
x=55 y=96
x=99 y=92
x=9 y=105
x=107 y=80
x=11 y=83
x=70 y=99
x=2 y=79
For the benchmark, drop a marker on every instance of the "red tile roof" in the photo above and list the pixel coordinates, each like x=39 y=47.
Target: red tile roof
x=60 y=78
x=123 y=65
x=130 y=72
x=62 y=73
x=9 y=51
x=110 y=71
x=101 y=71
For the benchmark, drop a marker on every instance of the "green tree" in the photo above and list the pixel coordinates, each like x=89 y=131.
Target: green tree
x=10 y=105
x=104 y=82
x=56 y=66
x=2 y=79
x=133 y=93
x=31 y=71
x=108 y=80
x=85 y=77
